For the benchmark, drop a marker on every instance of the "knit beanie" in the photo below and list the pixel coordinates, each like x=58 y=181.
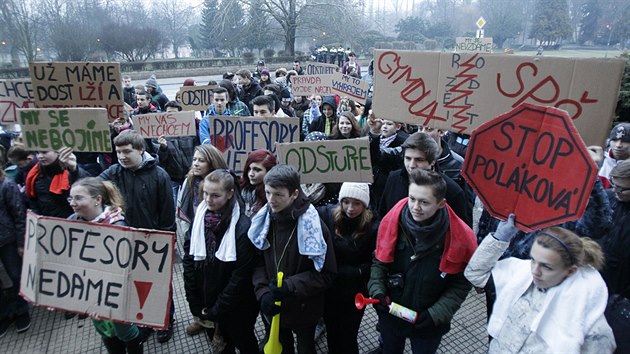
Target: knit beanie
x=360 y=191
x=620 y=132
x=151 y=82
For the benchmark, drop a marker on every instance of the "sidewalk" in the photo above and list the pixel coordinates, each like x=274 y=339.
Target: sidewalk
x=51 y=333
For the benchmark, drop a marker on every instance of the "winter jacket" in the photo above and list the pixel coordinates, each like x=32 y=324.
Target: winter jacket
x=354 y=257
x=204 y=124
x=46 y=202
x=567 y=318
x=397 y=188
x=381 y=168
x=129 y=94
x=346 y=68
x=224 y=288
x=319 y=123
x=12 y=214
x=305 y=306
x=248 y=93
x=607 y=166
x=176 y=159
x=238 y=108
x=150 y=109
x=616 y=246
x=424 y=285
x=147 y=192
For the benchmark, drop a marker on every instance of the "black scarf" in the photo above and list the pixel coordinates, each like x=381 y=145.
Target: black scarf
x=424 y=236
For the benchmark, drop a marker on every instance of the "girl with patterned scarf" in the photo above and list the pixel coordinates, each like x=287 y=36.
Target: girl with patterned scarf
x=98 y=201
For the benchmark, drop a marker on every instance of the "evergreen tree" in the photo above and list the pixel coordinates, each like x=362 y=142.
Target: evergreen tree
x=551 y=22
x=230 y=25
x=257 y=34
x=590 y=12
x=208 y=39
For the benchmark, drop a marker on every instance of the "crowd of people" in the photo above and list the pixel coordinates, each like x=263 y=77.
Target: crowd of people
x=262 y=243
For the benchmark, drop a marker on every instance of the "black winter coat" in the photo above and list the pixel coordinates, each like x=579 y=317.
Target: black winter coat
x=176 y=159
x=50 y=204
x=247 y=94
x=224 y=288
x=616 y=246
x=12 y=214
x=147 y=192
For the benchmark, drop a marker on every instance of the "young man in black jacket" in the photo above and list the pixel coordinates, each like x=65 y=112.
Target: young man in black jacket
x=146 y=188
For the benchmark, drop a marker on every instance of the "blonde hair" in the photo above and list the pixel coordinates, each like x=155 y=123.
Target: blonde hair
x=573 y=249
x=363 y=228
x=106 y=189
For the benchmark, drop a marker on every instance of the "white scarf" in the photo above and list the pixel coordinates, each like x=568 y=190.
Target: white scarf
x=227 y=248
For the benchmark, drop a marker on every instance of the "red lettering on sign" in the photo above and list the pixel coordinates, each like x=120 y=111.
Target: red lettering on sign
x=460 y=110
x=535 y=95
x=415 y=90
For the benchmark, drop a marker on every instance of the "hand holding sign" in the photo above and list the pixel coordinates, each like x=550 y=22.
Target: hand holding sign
x=67 y=158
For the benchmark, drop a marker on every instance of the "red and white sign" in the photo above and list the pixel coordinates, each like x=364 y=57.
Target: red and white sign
x=531 y=162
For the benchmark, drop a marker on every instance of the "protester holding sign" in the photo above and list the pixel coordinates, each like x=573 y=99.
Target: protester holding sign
x=325 y=122
x=236 y=106
x=98 y=201
x=552 y=303
x=48 y=182
x=205 y=160
x=258 y=163
x=145 y=186
x=12 y=229
x=354 y=238
x=226 y=258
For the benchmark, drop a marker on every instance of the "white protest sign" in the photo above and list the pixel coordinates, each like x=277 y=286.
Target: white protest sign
x=315 y=68
x=82 y=129
x=352 y=87
x=329 y=161
x=307 y=85
x=472 y=44
x=14 y=94
x=78 y=84
x=195 y=98
x=154 y=125
x=119 y=273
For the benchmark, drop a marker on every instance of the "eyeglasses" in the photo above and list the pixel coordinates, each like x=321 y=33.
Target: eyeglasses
x=618 y=189
x=77 y=198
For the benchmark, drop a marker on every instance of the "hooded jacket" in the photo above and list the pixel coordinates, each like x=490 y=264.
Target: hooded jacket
x=12 y=214
x=176 y=159
x=147 y=192
x=319 y=123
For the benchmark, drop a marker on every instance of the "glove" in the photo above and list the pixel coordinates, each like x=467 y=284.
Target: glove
x=383 y=305
x=279 y=293
x=424 y=321
x=208 y=315
x=268 y=306
x=506 y=230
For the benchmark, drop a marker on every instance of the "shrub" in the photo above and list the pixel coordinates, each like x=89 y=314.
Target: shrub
x=268 y=53
x=430 y=44
x=249 y=57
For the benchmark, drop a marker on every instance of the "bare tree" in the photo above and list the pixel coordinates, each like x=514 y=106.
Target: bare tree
x=20 y=21
x=174 y=19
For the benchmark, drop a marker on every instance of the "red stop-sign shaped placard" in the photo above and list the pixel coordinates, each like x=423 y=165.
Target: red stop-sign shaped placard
x=531 y=162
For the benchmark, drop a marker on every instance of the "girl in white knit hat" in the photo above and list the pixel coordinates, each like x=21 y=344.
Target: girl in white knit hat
x=354 y=237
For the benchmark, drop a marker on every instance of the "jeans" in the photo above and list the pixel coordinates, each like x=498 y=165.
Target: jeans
x=393 y=343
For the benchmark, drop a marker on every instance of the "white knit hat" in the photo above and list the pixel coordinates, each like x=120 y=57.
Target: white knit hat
x=360 y=191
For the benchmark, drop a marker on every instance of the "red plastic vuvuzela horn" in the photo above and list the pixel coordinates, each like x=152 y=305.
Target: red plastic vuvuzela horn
x=361 y=301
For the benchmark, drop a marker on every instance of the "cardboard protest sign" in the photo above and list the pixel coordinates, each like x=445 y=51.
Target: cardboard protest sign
x=346 y=85
x=316 y=68
x=236 y=137
x=14 y=94
x=472 y=44
x=82 y=129
x=461 y=91
x=307 y=85
x=531 y=162
x=195 y=98
x=154 y=125
x=76 y=84
x=121 y=273
x=327 y=161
